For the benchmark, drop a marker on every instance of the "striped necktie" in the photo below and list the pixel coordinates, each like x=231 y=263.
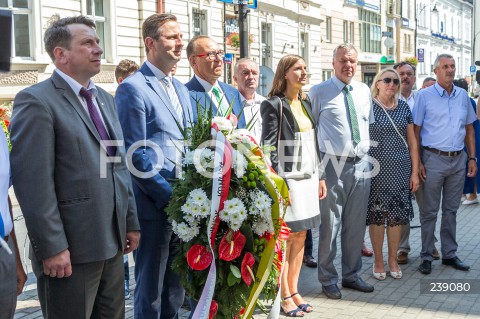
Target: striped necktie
x=222 y=102
x=353 y=115
x=173 y=97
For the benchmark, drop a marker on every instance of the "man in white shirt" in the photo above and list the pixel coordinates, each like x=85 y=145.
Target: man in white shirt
x=12 y=275
x=246 y=73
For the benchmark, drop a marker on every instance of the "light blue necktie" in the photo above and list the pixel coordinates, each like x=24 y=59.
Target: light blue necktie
x=173 y=97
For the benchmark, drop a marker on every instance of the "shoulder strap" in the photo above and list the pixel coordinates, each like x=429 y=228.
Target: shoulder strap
x=280 y=119
x=391 y=121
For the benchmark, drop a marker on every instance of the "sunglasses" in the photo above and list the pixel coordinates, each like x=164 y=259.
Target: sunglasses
x=388 y=80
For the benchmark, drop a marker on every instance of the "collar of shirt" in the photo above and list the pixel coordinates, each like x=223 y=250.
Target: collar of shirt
x=339 y=84
x=257 y=99
x=76 y=87
x=441 y=91
x=411 y=96
x=207 y=86
x=156 y=71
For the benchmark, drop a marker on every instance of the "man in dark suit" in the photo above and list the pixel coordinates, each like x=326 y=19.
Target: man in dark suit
x=206 y=60
x=73 y=186
x=151 y=107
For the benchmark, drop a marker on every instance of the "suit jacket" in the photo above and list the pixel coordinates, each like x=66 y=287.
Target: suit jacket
x=270 y=126
x=56 y=174
x=198 y=96
x=146 y=114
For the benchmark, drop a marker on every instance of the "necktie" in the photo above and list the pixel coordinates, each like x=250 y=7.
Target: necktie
x=353 y=116
x=173 y=97
x=97 y=121
x=222 y=105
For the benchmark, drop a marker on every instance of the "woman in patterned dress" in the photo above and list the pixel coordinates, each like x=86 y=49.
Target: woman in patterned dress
x=395 y=170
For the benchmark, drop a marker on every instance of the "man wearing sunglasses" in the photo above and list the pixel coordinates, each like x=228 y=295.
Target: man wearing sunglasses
x=206 y=59
x=443 y=118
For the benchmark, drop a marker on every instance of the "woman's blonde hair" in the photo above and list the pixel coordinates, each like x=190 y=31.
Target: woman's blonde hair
x=374 y=88
x=279 y=84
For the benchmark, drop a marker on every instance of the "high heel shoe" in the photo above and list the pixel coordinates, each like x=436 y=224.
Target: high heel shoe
x=396 y=274
x=379 y=275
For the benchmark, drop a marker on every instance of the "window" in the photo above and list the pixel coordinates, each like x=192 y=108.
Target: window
x=21 y=26
x=96 y=12
x=390 y=50
x=352 y=32
x=370 y=31
x=304 y=46
x=266 y=44
x=345 y=32
x=199 y=22
x=326 y=74
x=328 y=31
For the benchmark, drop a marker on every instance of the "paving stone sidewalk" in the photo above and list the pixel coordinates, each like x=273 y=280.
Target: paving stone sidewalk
x=391 y=298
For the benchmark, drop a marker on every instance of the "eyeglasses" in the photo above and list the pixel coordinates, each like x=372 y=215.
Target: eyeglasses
x=211 y=55
x=388 y=80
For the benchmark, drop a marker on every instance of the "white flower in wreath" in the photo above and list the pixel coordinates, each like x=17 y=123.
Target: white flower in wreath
x=233 y=213
x=261 y=226
x=239 y=163
x=188 y=158
x=223 y=124
x=198 y=196
x=184 y=231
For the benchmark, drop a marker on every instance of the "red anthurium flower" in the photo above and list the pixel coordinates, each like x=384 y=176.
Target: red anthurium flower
x=267 y=236
x=233 y=118
x=239 y=315
x=247 y=268
x=231 y=246
x=198 y=257
x=7 y=123
x=213 y=309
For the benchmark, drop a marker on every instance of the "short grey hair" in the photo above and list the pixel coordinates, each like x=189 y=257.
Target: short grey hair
x=345 y=46
x=442 y=56
x=242 y=60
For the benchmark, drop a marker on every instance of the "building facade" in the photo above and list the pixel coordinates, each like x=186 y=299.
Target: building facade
x=444 y=26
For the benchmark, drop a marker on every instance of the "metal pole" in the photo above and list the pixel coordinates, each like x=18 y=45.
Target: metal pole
x=225 y=39
x=243 y=27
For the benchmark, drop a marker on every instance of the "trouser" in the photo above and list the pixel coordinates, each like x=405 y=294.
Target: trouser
x=94 y=290
x=346 y=206
x=444 y=182
x=8 y=282
x=308 y=244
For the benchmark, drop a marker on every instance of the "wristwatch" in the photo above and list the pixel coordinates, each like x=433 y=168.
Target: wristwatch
x=472 y=159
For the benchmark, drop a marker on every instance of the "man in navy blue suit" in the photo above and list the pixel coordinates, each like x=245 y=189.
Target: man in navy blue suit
x=206 y=59
x=151 y=104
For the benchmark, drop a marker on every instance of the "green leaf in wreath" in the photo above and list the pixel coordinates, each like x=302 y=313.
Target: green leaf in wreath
x=232 y=280
x=235 y=271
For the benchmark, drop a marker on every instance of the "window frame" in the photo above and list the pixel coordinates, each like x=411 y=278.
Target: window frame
x=328 y=29
x=29 y=13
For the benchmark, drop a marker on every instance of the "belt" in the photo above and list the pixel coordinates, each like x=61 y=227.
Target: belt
x=438 y=152
x=344 y=158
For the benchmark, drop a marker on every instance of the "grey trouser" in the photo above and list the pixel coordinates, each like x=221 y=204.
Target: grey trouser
x=346 y=205
x=94 y=290
x=8 y=282
x=444 y=182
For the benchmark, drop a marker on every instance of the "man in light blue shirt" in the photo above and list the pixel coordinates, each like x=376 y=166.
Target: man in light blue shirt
x=342 y=109
x=443 y=118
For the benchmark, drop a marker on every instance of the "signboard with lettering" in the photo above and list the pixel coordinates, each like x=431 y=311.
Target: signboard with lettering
x=421 y=55
x=252 y=4
x=373 y=5
x=228 y=58
x=473 y=68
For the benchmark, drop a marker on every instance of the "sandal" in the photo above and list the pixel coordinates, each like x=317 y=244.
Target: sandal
x=304 y=306
x=292 y=313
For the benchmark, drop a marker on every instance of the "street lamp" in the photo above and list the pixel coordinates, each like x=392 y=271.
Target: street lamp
x=417 y=14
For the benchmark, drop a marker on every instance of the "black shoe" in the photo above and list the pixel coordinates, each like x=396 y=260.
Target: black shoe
x=309 y=261
x=332 y=291
x=456 y=263
x=425 y=267
x=358 y=284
